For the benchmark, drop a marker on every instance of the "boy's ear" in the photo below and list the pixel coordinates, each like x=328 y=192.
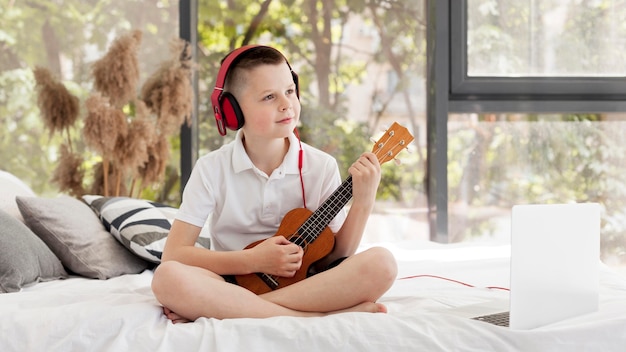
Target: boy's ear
x=231 y=111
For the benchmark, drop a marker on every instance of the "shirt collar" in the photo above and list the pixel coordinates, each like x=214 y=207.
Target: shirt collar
x=241 y=161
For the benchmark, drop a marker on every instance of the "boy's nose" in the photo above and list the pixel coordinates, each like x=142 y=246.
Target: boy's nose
x=285 y=104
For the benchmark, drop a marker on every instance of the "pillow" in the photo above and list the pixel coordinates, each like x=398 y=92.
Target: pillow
x=24 y=258
x=75 y=234
x=140 y=225
x=10 y=187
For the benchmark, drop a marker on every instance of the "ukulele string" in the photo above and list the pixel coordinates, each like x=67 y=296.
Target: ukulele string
x=318 y=221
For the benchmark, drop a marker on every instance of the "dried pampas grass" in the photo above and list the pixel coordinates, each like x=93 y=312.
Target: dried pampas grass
x=129 y=132
x=69 y=173
x=99 y=185
x=104 y=125
x=132 y=150
x=59 y=108
x=117 y=73
x=158 y=154
x=168 y=92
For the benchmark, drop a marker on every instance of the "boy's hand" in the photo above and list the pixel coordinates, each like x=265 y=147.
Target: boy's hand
x=278 y=256
x=365 y=178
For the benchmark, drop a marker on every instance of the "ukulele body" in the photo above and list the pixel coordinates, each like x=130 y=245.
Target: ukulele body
x=314 y=249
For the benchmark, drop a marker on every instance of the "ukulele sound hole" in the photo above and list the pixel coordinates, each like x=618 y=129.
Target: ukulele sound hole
x=300 y=240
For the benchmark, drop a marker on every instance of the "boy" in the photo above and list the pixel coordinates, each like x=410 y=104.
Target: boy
x=246 y=187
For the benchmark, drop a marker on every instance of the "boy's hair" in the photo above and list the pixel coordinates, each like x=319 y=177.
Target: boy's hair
x=248 y=60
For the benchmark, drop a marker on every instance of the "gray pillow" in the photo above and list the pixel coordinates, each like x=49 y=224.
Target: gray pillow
x=11 y=187
x=75 y=234
x=24 y=258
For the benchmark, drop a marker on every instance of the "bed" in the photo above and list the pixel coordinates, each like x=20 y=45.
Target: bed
x=120 y=313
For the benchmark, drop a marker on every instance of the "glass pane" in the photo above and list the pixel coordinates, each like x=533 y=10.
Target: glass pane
x=365 y=74
x=66 y=41
x=512 y=38
x=499 y=160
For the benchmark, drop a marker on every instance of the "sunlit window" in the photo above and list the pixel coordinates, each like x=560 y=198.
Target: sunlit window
x=546 y=38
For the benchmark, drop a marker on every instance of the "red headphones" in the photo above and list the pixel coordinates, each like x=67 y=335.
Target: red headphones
x=227 y=111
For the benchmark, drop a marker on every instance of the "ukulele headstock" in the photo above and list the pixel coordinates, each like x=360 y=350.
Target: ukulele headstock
x=393 y=141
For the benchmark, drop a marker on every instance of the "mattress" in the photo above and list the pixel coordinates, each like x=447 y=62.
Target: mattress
x=121 y=314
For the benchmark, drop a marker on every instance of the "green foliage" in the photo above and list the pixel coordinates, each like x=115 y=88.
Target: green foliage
x=545 y=38
x=22 y=140
x=343 y=139
x=573 y=158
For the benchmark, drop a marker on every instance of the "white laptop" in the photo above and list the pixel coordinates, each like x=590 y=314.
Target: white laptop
x=555 y=250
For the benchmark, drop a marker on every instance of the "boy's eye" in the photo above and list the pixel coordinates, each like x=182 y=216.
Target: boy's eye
x=290 y=91
x=268 y=97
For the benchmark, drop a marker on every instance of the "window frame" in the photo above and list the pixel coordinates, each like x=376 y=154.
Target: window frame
x=525 y=93
x=188 y=30
x=450 y=90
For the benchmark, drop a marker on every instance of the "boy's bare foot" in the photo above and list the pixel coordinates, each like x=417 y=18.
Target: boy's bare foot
x=175 y=318
x=365 y=307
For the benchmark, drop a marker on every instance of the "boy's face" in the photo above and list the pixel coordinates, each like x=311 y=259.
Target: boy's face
x=269 y=102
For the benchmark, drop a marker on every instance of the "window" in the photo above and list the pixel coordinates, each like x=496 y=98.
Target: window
x=538 y=49
x=532 y=113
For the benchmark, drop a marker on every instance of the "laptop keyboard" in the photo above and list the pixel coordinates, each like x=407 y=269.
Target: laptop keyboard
x=500 y=319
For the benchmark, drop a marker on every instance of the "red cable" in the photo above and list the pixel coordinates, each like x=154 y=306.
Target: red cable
x=300 y=166
x=452 y=280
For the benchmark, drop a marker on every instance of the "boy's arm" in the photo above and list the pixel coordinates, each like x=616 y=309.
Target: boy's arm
x=276 y=255
x=366 y=175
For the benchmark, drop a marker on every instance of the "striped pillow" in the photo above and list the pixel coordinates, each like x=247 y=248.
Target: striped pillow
x=140 y=225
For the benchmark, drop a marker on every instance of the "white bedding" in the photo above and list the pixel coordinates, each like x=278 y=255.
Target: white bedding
x=121 y=314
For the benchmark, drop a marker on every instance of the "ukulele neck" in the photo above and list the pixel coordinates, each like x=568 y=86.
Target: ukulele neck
x=318 y=221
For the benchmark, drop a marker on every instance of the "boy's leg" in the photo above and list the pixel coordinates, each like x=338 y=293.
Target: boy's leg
x=193 y=292
x=363 y=277
x=355 y=285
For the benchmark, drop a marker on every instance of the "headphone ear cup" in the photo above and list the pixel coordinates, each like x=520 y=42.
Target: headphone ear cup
x=231 y=112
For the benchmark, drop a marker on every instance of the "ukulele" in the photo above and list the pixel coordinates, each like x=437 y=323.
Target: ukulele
x=310 y=230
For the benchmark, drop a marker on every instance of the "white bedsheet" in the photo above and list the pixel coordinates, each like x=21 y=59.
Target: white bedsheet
x=121 y=314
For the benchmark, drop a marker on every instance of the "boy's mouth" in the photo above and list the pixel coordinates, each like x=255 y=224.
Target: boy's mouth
x=286 y=120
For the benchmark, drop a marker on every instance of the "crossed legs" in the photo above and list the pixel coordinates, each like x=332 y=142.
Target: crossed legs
x=354 y=285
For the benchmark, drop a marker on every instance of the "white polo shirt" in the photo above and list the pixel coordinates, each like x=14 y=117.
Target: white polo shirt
x=243 y=203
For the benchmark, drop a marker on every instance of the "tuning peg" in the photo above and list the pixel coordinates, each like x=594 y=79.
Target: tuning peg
x=373 y=140
x=398 y=162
